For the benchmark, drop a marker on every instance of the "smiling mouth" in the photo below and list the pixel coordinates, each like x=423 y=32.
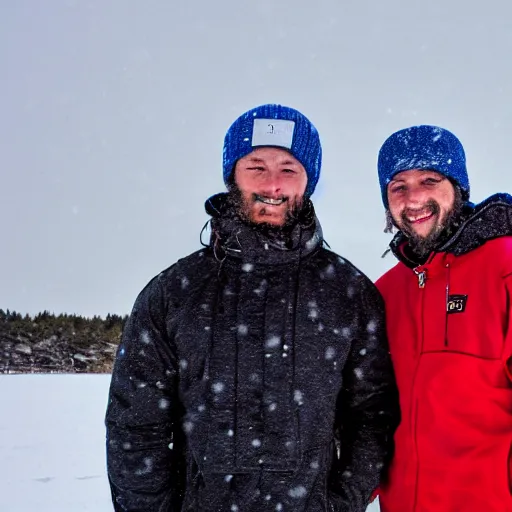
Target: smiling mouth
x=420 y=218
x=269 y=200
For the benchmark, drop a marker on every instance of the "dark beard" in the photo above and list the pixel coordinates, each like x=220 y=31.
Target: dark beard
x=293 y=215
x=422 y=247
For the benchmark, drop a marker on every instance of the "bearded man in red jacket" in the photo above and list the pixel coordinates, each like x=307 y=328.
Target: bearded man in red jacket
x=449 y=319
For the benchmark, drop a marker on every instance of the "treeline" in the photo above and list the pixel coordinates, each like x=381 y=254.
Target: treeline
x=62 y=343
x=64 y=319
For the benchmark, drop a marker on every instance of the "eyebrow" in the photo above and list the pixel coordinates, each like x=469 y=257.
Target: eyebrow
x=255 y=160
x=438 y=175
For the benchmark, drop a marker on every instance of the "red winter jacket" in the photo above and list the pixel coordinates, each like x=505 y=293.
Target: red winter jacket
x=450 y=335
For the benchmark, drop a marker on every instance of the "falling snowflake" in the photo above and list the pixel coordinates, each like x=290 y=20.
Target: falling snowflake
x=329 y=271
x=188 y=426
x=297 y=492
x=273 y=342
x=148 y=467
x=313 y=314
x=372 y=326
x=218 y=387
x=330 y=353
x=145 y=337
x=163 y=403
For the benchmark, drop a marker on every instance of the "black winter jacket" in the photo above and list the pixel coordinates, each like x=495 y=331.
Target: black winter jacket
x=252 y=376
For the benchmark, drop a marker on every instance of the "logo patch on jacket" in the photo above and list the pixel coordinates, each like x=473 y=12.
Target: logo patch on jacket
x=456 y=304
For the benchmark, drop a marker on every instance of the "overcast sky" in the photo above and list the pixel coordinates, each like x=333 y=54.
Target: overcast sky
x=113 y=114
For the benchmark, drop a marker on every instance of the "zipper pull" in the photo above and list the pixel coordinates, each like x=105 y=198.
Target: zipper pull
x=422 y=277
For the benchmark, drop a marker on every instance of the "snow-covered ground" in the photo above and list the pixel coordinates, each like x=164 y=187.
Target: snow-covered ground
x=52 y=444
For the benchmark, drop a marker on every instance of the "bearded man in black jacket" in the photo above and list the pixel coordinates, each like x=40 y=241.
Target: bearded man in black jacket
x=254 y=374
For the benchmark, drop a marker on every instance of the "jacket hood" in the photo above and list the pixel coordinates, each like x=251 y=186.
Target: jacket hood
x=233 y=236
x=492 y=218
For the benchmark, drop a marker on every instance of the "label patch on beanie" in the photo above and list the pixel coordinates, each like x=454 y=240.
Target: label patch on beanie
x=273 y=132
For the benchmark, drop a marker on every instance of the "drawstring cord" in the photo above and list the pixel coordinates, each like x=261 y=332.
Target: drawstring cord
x=201 y=234
x=293 y=333
x=220 y=255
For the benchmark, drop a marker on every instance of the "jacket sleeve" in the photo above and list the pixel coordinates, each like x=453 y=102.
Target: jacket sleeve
x=142 y=410
x=368 y=409
x=507 y=349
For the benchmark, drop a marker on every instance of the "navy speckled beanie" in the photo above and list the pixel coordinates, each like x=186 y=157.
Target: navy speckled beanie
x=423 y=147
x=276 y=126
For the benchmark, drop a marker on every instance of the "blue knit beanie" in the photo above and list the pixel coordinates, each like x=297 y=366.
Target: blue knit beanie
x=276 y=126
x=423 y=147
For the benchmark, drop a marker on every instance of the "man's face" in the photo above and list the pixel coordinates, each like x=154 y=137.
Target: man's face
x=271 y=183
x=421 y=203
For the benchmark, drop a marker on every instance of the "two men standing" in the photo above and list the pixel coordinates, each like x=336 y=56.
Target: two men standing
x=254 y=375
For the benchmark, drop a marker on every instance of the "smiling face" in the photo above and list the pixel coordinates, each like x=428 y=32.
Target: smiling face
x=271 y=184
x=422 y=205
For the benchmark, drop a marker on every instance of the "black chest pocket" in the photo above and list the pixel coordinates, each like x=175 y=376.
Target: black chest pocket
x=471 y=328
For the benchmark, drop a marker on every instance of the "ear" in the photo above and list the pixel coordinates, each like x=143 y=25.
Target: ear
x=390 y=223
x=307 y=212
x=231 y=182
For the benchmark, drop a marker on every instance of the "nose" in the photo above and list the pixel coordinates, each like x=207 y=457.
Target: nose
x=416 y=196
x=272 y=184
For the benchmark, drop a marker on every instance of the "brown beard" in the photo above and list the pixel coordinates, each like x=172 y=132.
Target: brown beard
x=243 y=208
x=422 y=247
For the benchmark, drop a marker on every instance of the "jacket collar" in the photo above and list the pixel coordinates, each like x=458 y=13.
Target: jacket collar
x=490 y=219
x=231 y=236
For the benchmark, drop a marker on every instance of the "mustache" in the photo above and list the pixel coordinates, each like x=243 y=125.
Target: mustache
x=263 y=197
x=430 y=205
x=293 y=209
